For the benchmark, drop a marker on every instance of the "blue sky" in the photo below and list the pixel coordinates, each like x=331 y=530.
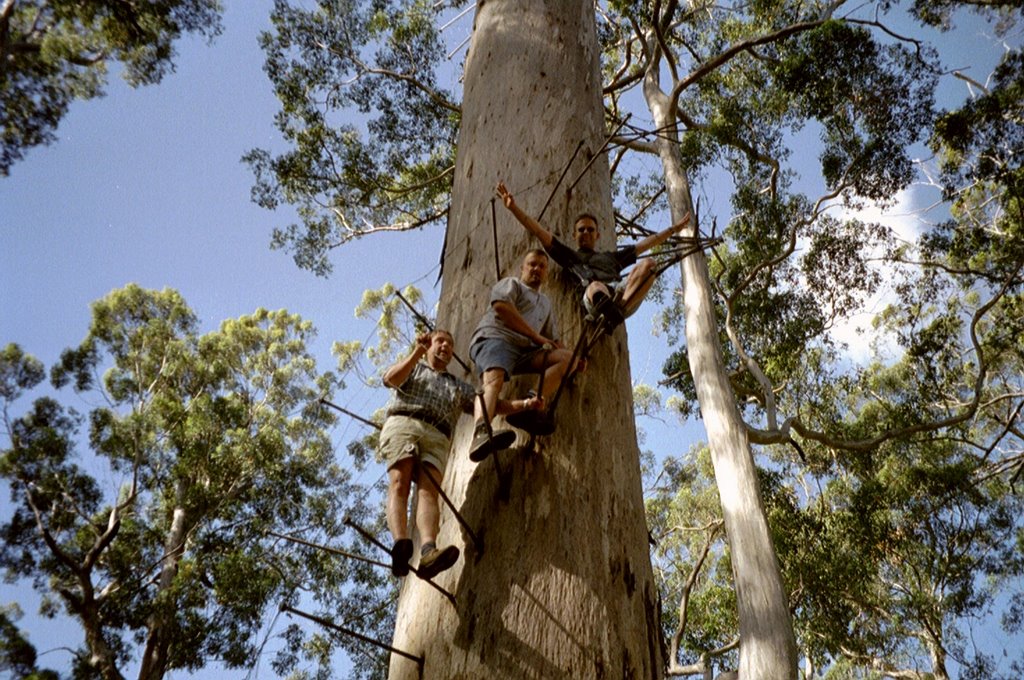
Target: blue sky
x=147 y=186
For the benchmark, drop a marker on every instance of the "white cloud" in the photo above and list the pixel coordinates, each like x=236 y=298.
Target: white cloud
x=907 y=219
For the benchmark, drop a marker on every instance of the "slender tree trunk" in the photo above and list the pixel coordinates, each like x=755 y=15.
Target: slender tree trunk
x=767 y=644
x=562 y=586
x=154 y=657
x=101 y=656
x=938 y=656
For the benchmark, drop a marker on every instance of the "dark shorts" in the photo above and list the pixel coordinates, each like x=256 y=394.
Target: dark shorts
x=488 y=353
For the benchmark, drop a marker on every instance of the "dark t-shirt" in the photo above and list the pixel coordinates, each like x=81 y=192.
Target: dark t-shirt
x=592 y=265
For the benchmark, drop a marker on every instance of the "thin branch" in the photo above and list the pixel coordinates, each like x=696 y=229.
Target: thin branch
x=415 y=82
x=715 y=62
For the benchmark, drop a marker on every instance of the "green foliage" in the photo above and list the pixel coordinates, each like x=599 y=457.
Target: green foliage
x=903 y=518
x=872 y=100
x=683 y=514
x=390 y=168
x=17 y=655
x=18 y=373
x=213 y=441
x=983 y=177
x=53 y=52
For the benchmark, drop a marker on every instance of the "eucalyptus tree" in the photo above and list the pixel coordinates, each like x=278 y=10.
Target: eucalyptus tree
x=887 y=571
x=784 y=116
x=164 y=544
x=53 y=52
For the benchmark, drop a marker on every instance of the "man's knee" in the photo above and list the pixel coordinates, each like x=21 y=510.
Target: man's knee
x=399 y=486
x=643 y=271
x=400 y=475
x=493 y=378
x=560 y=358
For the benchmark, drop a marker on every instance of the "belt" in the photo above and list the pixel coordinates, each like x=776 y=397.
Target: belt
x=440 y=425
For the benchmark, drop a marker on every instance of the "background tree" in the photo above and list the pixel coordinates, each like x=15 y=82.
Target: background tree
x=53 y=52
x=387 y=169
x=18 y=655
x=217 y=444
x=786 y=117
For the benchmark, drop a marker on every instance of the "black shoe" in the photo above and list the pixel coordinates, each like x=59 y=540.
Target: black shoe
x=484 y=445
x=401 y=552
x=537 y=423
x=436 y=561
x=599 y=299
x=608 y=313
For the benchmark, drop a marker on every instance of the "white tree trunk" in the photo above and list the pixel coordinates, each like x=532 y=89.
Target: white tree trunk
x=158 y=641
x=563 y=586
x=767 y=644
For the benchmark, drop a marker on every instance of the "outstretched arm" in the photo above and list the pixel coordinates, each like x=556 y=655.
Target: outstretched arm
x=532 y=225
x=657 y=239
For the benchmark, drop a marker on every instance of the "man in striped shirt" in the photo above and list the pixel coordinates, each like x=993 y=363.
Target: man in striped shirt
x=416 y=439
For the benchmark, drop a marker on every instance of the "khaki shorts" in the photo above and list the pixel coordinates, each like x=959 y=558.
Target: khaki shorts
x=404 y=437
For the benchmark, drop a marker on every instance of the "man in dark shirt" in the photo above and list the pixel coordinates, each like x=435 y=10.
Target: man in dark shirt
x=599 y=271
x=421 y=417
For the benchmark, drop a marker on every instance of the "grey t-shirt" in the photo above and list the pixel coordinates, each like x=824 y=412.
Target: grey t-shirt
x=533 y=306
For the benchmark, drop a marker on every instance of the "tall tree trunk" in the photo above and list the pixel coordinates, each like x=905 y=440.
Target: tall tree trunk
x=767 y=644
x=938 y=657
x=158 y=639
x=101 y=656
x=562 y=585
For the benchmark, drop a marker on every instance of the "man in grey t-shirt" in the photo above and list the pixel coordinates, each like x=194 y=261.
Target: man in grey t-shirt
x=517 y=334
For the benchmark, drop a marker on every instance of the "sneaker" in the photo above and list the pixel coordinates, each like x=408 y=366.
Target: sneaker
x=605 y=309
x=613 y=316
x=537 y=423
x=484 y=445
x=436 y=561
x=401 y=552
x=599 y=299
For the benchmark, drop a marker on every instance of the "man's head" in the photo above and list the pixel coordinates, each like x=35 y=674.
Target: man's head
x=535 y=268
x=442 y=344
x=585 y=231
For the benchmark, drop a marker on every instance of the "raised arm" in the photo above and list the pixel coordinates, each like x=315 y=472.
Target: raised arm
x=657 y=239
x=532 y=225
x=396 y=374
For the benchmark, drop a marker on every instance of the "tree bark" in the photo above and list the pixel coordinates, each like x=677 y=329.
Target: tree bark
x=158 y=641
x=767 y=643
x=562 y=585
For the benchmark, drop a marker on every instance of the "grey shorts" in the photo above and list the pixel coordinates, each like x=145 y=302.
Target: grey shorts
x=404 y=437
x=488 y=353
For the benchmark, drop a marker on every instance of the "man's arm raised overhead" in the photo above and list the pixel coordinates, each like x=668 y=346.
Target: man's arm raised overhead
x=532 y=225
